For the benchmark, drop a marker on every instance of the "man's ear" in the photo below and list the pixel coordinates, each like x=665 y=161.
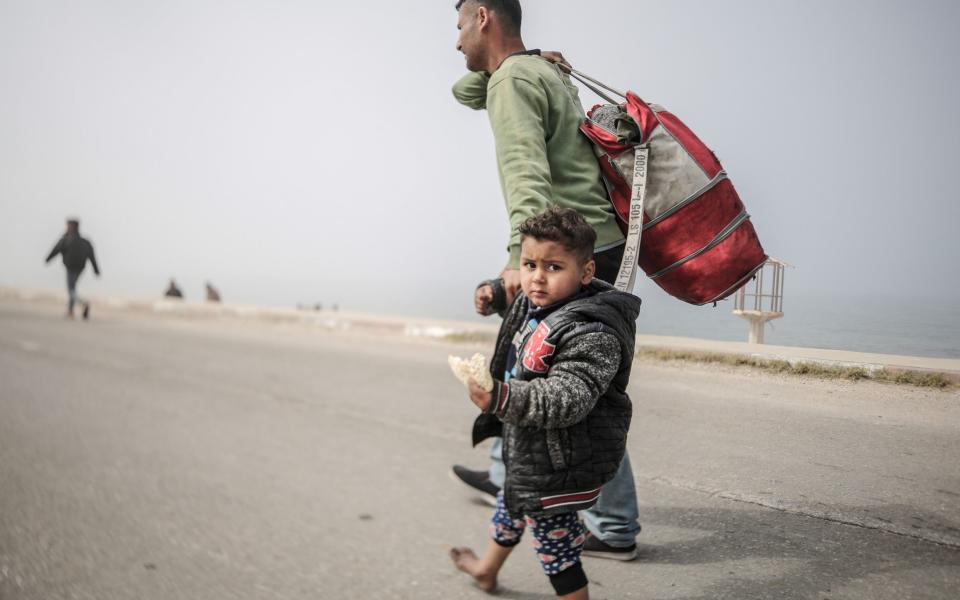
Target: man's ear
x=483 y=17
x=589 y=270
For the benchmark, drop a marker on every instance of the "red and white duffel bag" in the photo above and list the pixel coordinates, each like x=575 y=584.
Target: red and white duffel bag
x=684 y=222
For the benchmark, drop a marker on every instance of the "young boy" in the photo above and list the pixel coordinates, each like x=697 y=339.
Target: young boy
x=560 y=366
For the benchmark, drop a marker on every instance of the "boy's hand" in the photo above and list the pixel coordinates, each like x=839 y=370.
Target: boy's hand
x=479 y=396
x=482 y=299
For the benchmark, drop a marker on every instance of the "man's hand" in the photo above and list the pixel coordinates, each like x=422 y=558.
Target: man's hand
x=482 y=298
x=479 y=396
x=558 y=59
x=511 y=283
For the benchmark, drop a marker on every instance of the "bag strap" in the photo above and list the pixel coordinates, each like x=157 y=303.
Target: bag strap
x=631 y=248
x=587 y=80
x=627 y=274
x=594 y=89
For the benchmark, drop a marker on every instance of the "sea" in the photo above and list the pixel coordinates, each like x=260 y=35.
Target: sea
x=863 y=323
x=910 y=327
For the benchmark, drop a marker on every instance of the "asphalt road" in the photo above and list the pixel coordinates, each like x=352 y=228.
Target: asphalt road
x=144 y=457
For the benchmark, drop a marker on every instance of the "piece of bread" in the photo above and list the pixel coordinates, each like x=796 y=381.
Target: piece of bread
x=475 y=368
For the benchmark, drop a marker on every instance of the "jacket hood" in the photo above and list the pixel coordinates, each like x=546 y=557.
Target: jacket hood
x=604 y=303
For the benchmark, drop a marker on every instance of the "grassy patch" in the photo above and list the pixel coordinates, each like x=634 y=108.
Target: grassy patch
x=918 y=378
x=469 y=337
x=812 y=369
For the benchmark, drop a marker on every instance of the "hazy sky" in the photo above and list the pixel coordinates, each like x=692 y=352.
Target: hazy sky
x=301 y=151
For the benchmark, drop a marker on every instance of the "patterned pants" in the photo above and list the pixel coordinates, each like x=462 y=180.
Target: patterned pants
x=557 y=540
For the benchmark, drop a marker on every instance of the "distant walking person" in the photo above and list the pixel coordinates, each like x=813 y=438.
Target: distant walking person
x=212 y=294
x=173 y=291
x=76 y=251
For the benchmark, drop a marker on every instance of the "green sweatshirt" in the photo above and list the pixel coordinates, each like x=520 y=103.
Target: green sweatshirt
x=542 y=158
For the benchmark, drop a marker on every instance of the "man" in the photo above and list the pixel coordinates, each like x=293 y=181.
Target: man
x=76 y=251
x=543 y=161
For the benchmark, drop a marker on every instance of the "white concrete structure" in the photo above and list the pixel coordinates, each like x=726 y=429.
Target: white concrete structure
x=761 y=299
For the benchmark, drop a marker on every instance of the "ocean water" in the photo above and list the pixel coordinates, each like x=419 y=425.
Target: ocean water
x=912 y=327
x=886 y=325
x=845 y=320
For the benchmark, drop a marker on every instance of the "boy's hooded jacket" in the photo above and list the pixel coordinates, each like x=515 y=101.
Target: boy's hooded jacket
x=564 y=416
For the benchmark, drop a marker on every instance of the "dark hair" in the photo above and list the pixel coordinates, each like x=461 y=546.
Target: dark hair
x=508 y=9
x=565 y=226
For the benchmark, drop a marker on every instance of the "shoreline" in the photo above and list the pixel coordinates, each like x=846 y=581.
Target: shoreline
x=463 y=331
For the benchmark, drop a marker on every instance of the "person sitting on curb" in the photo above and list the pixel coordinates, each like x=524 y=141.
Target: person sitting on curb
x=212 y=294
x=173 y=291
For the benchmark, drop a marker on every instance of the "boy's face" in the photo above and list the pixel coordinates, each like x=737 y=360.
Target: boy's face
x=550 y=273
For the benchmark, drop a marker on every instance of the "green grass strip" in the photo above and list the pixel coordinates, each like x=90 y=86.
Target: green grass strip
x=926 y=379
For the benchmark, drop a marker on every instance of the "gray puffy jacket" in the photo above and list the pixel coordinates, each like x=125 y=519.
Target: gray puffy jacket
x=564 y=417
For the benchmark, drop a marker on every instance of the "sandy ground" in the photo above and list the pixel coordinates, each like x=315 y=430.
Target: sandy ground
x=147 y=456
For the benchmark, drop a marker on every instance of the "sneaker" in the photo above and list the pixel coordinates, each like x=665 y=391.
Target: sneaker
x=86 y=311
x=478 y=480
x=597 y=549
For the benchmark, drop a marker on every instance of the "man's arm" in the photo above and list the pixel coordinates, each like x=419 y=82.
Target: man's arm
x=56 y=250
x=581 y=373
x=490 y=297
x=518 y=112
x=471 y=90
x=93 y=259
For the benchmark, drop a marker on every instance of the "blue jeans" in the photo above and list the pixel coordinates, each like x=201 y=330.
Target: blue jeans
x=614 y=519
x=73 y=297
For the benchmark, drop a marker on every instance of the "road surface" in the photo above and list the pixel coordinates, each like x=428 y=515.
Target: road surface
x=155 y=457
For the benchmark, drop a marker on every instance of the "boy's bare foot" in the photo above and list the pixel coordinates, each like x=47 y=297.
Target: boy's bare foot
x=465 y=560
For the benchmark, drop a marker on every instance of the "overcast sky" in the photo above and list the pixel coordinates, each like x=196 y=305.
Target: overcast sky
x=302 y=151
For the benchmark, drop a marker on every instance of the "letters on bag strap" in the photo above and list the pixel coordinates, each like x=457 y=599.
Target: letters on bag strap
x=631 y=248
